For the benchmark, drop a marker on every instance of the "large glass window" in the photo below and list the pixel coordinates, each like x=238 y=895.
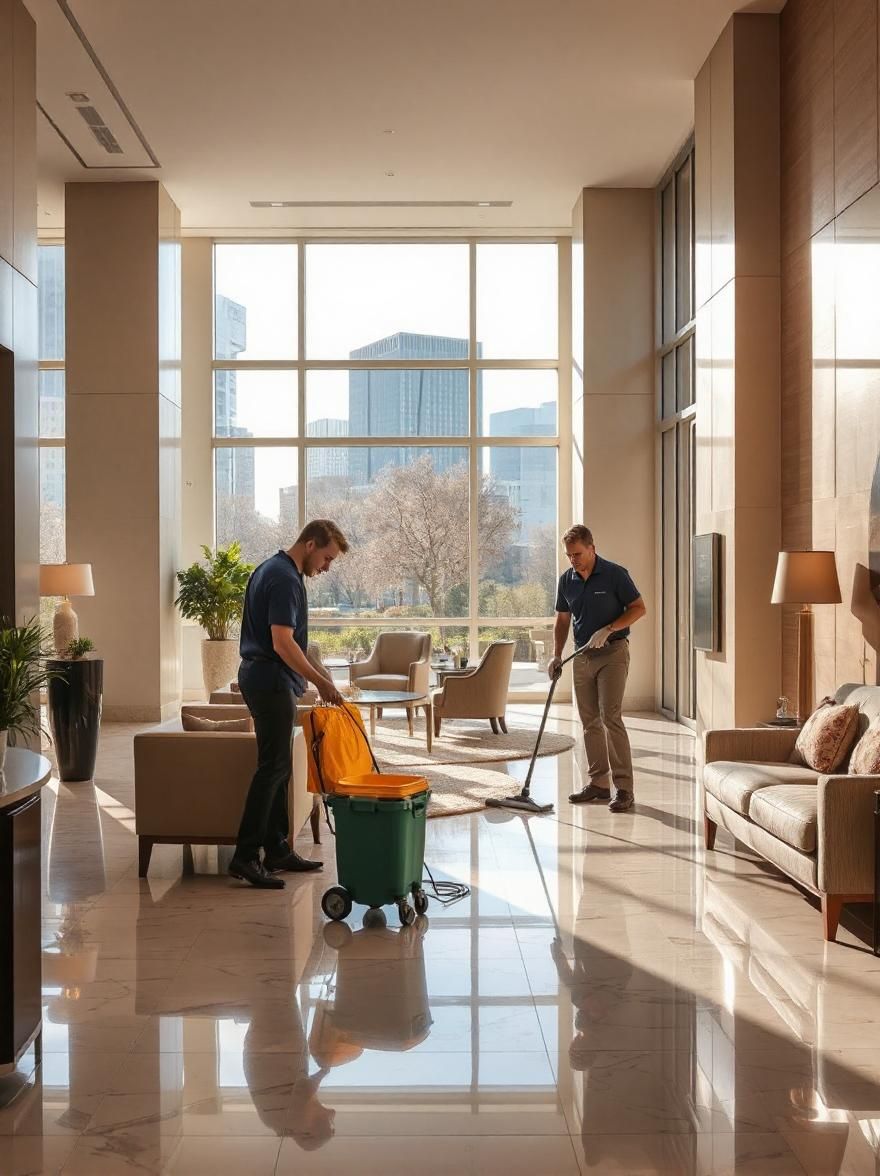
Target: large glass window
x=676 y=409
x=50 y=277
x=413 y=398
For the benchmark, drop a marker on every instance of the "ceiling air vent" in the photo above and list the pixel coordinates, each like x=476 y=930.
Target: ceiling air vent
x=100 y=130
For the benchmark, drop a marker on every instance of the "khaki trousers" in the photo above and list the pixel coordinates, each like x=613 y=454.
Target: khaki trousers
x=599 y=685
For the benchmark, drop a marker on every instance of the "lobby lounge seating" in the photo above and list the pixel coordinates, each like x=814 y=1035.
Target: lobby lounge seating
x=480 y=693
x=398 y=661
x=190 y=786
x=816 y=828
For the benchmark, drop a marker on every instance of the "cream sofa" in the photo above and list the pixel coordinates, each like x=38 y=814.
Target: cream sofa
x=190 y=786
x=817 y=829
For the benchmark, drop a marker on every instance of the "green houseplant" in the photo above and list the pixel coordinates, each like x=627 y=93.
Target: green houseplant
x=22 y=674
x=78 y=648
x=211 y=593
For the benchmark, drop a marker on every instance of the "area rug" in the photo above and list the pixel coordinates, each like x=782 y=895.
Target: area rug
x=462 y=741
x=465 y=788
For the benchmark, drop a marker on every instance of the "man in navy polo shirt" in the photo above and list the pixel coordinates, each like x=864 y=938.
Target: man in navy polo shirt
x=272 y=675
x=603 y=601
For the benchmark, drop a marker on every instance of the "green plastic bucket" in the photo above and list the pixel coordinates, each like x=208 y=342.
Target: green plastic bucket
x=380 y=846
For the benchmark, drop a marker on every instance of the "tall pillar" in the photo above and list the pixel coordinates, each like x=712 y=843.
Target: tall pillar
x=737 y=354
x=613 y=399
x=123 y=435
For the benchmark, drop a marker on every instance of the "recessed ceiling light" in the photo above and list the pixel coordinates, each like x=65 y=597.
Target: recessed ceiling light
x=484 y=204
x=77 y=96
x=389 y=132
x=276 y=203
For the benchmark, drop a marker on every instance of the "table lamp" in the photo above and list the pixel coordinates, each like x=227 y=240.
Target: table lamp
x=806 y=578
x=65 y=580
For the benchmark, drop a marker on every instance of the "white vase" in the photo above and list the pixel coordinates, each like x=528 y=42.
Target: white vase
x=220 y=661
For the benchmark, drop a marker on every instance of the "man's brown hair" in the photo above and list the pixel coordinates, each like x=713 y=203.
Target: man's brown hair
x=323 y=532
x=578 y=534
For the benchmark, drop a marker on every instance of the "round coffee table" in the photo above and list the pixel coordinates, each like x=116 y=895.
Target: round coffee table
x=376 y=700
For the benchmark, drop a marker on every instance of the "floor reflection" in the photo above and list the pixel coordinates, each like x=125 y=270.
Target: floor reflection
x=605 y=1000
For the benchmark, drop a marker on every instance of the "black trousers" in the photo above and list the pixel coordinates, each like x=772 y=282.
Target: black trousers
x=264 y=822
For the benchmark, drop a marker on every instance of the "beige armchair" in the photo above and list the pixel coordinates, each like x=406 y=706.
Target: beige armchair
x=480 y=693
x=398 y=661
x=190 y=786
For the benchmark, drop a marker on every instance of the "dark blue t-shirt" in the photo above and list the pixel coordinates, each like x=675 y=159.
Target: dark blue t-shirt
x=600 y=599
x=275 y=595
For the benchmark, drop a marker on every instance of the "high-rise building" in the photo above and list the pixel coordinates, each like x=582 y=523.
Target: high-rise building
x=331 y=462
x=527 y=476
x=234 y=467
x=407 y=403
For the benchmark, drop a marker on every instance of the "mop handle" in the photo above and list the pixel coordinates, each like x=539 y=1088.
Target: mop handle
x=555 y=679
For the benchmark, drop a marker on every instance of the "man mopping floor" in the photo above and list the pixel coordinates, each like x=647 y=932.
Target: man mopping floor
x=604 y=602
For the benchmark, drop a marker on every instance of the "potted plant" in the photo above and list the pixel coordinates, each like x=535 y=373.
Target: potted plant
x=22 y=675
x=78 y=648
x=212 y=595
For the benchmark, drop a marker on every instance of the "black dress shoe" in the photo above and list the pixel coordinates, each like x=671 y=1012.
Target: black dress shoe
x=254 y=873
x=590 y=793
x=292 y=863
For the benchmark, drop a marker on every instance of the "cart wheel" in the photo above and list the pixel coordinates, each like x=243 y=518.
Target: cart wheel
x=336 y=903
x=375 y=917
x=420 y=901
x=406 y=912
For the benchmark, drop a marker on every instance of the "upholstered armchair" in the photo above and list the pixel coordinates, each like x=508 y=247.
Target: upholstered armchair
x=480 y=693
x=398 y=661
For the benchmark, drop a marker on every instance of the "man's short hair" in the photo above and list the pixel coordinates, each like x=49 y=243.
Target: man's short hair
x=323 y=532
x=578 y=534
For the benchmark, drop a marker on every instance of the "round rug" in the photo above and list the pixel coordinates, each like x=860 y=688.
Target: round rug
x=462 y=741
x=465 y=788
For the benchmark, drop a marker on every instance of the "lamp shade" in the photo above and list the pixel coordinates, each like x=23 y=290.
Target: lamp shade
x=806 y=577
x=66 y=580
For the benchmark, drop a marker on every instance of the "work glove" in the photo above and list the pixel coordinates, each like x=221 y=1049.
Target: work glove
x=554 y=667
x=600 y=638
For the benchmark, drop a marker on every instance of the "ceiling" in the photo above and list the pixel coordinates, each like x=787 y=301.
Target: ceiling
x=524 y=101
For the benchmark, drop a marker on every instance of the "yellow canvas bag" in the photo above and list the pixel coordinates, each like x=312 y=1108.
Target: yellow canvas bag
x=338 y=746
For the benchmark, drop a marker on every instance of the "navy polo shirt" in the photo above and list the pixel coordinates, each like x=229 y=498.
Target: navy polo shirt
x=597 y=601
x=275 y=595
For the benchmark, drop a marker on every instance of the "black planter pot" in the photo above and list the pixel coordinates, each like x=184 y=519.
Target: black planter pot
x=75 y=715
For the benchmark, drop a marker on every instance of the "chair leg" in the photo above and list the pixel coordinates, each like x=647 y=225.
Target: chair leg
x=437 y=721
x=315 y=822
x=709 y=830
x=409 y=721
x=502 y=723
x=189 y=865
x=832 y=906
x=145 y=852
x=429 y=727
x=494 y=724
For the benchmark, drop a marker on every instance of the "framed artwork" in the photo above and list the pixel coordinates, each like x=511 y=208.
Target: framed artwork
x=707 y=592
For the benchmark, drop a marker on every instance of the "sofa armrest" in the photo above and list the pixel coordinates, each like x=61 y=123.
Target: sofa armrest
x=771 y=745
x=215 y=711
x=845 y=849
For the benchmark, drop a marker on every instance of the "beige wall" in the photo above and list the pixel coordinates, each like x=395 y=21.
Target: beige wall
x=613 y=400
x=831 y=320
x=19 y=465
x=123 y=435
x=737 y=353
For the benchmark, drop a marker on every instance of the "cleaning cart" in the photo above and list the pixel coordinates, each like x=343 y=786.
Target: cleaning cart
x=379 y=819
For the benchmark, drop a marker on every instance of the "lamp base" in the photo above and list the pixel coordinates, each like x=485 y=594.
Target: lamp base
x=805 y=664
x=65 y=627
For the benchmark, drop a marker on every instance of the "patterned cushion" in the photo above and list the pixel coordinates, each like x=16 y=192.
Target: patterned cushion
x=195 y=723
x=827 y=736
x=865 y=759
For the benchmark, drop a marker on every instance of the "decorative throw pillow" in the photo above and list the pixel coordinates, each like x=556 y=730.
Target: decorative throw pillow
x=196 y=723
x=827 y=736
x=865 y=759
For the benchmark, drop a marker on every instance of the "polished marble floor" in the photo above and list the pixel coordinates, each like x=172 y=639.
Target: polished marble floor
x=610 y=999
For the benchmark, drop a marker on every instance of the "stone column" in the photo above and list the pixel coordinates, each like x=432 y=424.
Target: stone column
x=737 y=356
x=613 y=399
x=123 y=435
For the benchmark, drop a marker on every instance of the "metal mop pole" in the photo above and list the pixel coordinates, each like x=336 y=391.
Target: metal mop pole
x=523 y=801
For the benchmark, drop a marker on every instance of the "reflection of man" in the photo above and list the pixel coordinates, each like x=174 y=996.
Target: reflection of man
x=603 y=601
x=273 y=673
